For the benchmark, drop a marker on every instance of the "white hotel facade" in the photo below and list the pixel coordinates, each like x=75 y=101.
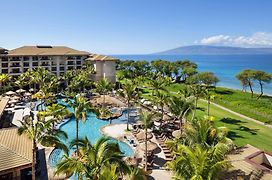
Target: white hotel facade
x=56 y=59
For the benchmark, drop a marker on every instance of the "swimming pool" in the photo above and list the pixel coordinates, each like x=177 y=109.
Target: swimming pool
x=91 y=129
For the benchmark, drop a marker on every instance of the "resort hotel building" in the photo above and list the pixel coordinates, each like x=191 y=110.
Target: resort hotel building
x=56 y=59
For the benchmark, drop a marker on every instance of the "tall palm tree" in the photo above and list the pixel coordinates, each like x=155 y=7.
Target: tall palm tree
x=80 y=106
x=203 y=132
x=159 y=84
x=197 y=92
x=209 y=96
x=181 y=107
x=130 y=93
x=4 y=78
x=146 y=118
x=41 y=132
x=92 y=160
x=161 y=99
x=102 y=87
x=199 y=163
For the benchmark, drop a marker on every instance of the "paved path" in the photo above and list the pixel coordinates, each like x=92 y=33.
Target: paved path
x=238 y=114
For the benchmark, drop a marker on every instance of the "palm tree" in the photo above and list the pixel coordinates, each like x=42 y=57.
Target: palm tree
x=135 y=173
x=80 y=106
x=146 y=118
x=92 y=161
x=209 y=97
x=161 y=99
x=129 y=92
x=197 y=92
x=181 y=107
x=102 y=87
x=4 y=78
x=159 y=84
x=198 y=162
x=203 y=132
x=41 y=132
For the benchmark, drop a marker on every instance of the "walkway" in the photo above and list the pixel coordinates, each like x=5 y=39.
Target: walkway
x=238 y=114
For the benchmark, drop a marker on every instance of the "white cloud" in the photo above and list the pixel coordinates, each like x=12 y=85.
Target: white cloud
x=258 y=39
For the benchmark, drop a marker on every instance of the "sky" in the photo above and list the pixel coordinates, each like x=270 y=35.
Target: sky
x=135 y=26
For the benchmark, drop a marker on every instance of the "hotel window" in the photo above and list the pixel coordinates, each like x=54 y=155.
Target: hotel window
x=34 y=58
x=70 y=67
x=15 y=70
x=26 y=58
x=25 y=69
x=78 y=67
x=4 y=59
x=53 y=63
x=4 y=70
x=78 y=62
x=78 y=57
x=70 y=63
x=61 y=68
x=70 y=57
x=35 y=63
x=54 y=69
x=15 y=58
x=26 y=64
x=44 y=58
x=4 y=64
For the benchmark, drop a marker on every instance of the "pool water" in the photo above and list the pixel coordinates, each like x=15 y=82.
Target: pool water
x=91 y=129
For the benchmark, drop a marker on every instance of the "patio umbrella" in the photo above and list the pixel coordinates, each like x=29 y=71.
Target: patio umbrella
x=151 y=146
x=28 y=94
x=13 y=101
x=141 y=135
x=132 y=161
x=10 y=93
x=176 y=133
x=15 y=98
x=20 y=91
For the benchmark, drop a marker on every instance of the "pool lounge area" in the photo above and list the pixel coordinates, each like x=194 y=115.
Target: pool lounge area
x=90 y=129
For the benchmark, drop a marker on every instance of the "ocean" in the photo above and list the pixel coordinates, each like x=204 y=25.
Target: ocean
x=225 y=67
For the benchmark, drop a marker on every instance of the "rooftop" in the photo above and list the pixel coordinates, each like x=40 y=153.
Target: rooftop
x=97 y=57
x=15 y=150
x=244 y=160
x=45 y=51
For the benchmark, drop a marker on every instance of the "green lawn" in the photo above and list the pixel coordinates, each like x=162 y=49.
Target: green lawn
x=241 y=102
x=241 y=131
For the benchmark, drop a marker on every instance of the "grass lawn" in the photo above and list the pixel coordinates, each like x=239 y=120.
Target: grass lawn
x=241 y=131
x=241 y=102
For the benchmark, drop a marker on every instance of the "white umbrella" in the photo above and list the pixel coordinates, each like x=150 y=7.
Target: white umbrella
x=141 y=135
x=10 y=93
x=20 y=91
x=15 y=98
x=151 y=146
x=28 y=94
x=176 y=133
x=13 y=101
x=31 y=90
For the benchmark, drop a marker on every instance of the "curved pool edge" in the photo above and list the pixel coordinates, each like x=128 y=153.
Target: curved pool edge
x=118 y=138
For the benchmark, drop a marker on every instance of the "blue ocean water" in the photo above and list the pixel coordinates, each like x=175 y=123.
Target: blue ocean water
x=224 y=66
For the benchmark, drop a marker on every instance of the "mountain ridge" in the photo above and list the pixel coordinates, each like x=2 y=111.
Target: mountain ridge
x=214 y=50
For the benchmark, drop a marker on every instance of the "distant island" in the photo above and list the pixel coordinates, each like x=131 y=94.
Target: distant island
x=214 y=50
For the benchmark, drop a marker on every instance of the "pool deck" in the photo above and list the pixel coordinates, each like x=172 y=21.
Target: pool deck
x=118 y=131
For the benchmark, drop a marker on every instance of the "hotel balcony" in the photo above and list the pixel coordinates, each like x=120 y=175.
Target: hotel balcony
x=15 y=59
x=45 y=64
x=15 y=65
